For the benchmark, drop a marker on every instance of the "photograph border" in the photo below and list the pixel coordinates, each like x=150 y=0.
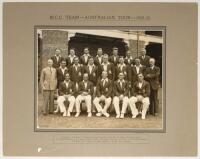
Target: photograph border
x=100 y=130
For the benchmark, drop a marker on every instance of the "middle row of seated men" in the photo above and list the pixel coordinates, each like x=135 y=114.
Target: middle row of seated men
x=106 y=91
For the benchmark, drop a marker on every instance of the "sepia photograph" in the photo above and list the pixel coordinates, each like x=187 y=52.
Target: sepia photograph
x=99 y=78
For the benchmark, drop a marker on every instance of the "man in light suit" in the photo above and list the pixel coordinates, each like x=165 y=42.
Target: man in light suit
x=85 y=94
x=152 y=74
x=85 y=57
x=140 y=93
x=104 y=93
x=144 y=59
x=121 y=90
x=57 y=58
x=66 y=93
x=48 y=82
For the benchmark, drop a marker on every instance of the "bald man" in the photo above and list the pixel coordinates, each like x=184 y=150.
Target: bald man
x=48 y=82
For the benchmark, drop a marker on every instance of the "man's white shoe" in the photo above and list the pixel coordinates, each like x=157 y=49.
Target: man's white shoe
x=65 y=114
x=143 y=116
x=56 y=111
x=68 y=114
x=122 y=116
x=118 y=116
x=77 y=114
x=99 y=114
x=89 y=114
x=106 y=114
x=134 y=116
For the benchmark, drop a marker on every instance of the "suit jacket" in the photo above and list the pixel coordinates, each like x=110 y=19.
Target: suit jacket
x=48 y=78
x=143 y=91
x=145 y=61
x=110 y=71
x=82 y=60
x=76 y=75
x=111 y=59
x=97 y=62
x=152 y=76
x=118 y=90
x=105 y=90
x=129 y=61
x=133 y=73
x=69 y=62
x=56 y=63
x=123 y=70
x=65 y=90
x=60 y=75
x=89 y=89
x=93 y=76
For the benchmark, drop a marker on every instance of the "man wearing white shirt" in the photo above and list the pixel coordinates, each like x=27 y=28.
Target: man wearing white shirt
x=104 y=93
x=61 y=71
x=70 y=58
x=99 y=58
x=85 y=57
x=140 y=93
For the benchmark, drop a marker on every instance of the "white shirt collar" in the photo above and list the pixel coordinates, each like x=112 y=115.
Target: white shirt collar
x=63 y=68
x=121 y=81
x=138 y=66
x=105 y=64
x=76 y=65
x=106 y=79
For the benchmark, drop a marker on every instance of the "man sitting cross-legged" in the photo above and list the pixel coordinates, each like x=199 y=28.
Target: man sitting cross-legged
x=103 y=92
x=140 y=93
x=66 y=92
x=85 y=94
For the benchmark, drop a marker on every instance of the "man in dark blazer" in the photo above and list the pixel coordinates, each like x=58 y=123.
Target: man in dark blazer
x=129 y=59
x=135 y=70
x=70 y=58
x=121 y=67
x=57 y=58
x=140 y=92
x=85 y=94
x=108 y=67
x=114 y=58
x=121 y=91
x=152 y=74
x=48 y=82
x=103 y=93
x=92 y=70
x=85 y=57
x=76 y=72
x=144 y=59
x=66 y=93
x=98 y=60
x=61 y=71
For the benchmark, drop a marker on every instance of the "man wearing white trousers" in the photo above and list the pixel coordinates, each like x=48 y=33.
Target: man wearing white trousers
x=85 y=94
x=140 y=93
x=103 y=92
x=121 y=90
x=66 y=93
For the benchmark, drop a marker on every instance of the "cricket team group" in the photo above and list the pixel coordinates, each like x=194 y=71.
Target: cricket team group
x=101 y=82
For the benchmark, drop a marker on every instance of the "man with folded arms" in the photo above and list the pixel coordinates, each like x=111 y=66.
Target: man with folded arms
x=103 y=92
x=85 y=94
x=140 y=93
x=66 y=91
x=121 y=90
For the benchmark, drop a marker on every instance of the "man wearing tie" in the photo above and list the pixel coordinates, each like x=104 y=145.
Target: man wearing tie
x=99 y=58
x=135 y=70
x=76 y=72
x=128 y=59
x=61 y=71
x=114 y=58
x=85 y=94
x=48 y=82
x=70 y=58
x=121 y=90
x=103 y=93
x=152 y=74
x=57 y=58
x=108 y=67
x=66 y=93
x=85 y=57
x=140 y=93
x=121 y=67
x=144 y=59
